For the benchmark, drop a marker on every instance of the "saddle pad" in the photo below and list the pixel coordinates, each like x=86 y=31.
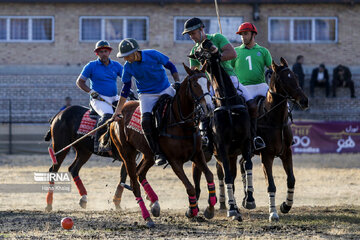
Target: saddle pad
x=87 y=124
x=135 y=121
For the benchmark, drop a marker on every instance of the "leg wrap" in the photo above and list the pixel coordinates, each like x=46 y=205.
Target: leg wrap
x=49 y=196
x=222 y=191
x=272 y=207
x=149 y=191
x=290 y=196
x=249 y=181
x=80 y=186
x=230 y=193
x=193 y=205
x=212 y=194
x=145 y=213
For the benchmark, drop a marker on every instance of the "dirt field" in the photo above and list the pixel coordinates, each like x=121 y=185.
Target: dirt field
x=326 y=203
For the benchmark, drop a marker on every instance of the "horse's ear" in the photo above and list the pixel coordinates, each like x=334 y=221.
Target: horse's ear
x=283 y=62
x=191 y=56
x=204 y=67
x=274 y=66
x=187 y=69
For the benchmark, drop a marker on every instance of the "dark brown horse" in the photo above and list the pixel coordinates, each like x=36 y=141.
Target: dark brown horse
x=179 y=141
x=63 y=131
x=274 y=128
x=230 y=130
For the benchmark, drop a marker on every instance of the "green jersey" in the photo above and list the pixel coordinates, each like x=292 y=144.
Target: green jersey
x=249 y=65
x=219 y=41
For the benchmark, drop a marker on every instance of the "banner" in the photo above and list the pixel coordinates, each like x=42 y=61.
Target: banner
x=326 y=137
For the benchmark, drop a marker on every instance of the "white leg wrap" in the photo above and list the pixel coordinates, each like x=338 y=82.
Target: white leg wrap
x=222 y=191
x=272 y=207
x=230 y=193
x=290 y=197
x=249 y=181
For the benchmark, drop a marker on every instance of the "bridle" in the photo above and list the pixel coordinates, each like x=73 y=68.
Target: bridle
x=196 y=114
x=285 y=97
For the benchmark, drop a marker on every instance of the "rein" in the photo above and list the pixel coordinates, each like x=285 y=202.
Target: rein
x=285 y=97
x=193 y=117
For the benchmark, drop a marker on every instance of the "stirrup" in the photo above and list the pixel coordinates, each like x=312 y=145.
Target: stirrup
x=160 y=159
x=258 y=143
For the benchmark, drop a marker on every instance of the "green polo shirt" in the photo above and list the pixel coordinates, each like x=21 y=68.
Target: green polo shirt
x=219 y=41
x=249 y=65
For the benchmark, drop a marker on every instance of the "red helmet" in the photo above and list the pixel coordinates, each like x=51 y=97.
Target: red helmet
x=247 y=27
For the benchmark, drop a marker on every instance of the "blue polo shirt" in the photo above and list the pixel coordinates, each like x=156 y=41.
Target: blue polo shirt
x=149 y=74
x=103 y=78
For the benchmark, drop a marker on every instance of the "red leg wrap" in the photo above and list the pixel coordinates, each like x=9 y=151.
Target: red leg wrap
x=145 y=213
x=149 y=191
x=80 y=186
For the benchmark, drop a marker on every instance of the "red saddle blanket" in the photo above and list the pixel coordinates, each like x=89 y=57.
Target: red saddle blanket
x=87 y=124
x=135 y=121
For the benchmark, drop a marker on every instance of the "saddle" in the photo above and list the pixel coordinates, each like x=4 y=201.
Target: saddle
x=161 y=112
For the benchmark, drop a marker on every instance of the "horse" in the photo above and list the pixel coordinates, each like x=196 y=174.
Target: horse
x=63 y=131
x=230 y=130
x=179 y=140
x=273 y=126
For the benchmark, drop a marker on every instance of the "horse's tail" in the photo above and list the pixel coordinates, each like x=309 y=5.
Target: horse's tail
x=47 y=136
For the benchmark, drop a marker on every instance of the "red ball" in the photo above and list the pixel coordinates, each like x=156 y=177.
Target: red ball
x=67 y=223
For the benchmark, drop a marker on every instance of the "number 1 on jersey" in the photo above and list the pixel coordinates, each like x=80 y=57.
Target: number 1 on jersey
x=249 y=59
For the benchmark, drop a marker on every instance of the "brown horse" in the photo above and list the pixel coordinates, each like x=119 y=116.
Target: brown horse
x=274 y=128
x=179 y=140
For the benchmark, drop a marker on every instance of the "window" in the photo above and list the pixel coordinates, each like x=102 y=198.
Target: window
x=26 y=29
x=229 y=27
x=303 y=29
x=113 y=28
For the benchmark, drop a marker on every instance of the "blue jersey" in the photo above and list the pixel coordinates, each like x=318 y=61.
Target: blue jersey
x=149 y=73
x=103 y=78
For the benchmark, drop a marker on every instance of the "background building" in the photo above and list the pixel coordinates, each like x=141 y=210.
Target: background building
x=45 y=44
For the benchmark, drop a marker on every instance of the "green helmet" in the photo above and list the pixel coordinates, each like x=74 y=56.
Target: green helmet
x=127 y=47
x=102 y=44
x=192 y=24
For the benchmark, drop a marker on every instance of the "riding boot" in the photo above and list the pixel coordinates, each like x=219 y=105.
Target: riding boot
x=206 y=135
x=100 y=143
x=150 y=136
x=104 y=143
x=258 y=142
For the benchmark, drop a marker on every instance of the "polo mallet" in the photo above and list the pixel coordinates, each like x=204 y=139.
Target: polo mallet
x=53 y=154
x=103 y=100
x=218 y=15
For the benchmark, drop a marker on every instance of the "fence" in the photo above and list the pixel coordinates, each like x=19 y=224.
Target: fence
x=24 y=121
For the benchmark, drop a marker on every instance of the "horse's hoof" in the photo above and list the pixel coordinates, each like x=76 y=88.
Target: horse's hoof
x=274 y=217
x=155 y=209
x=250 y=205
x=190 y=214
x=284 y=208
x=237 y=218
x=48 y=208
x=209 y=212
x=82 y=203
x=222 y=206
x=232 y=213
x=117 y=204
x=150 y=223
